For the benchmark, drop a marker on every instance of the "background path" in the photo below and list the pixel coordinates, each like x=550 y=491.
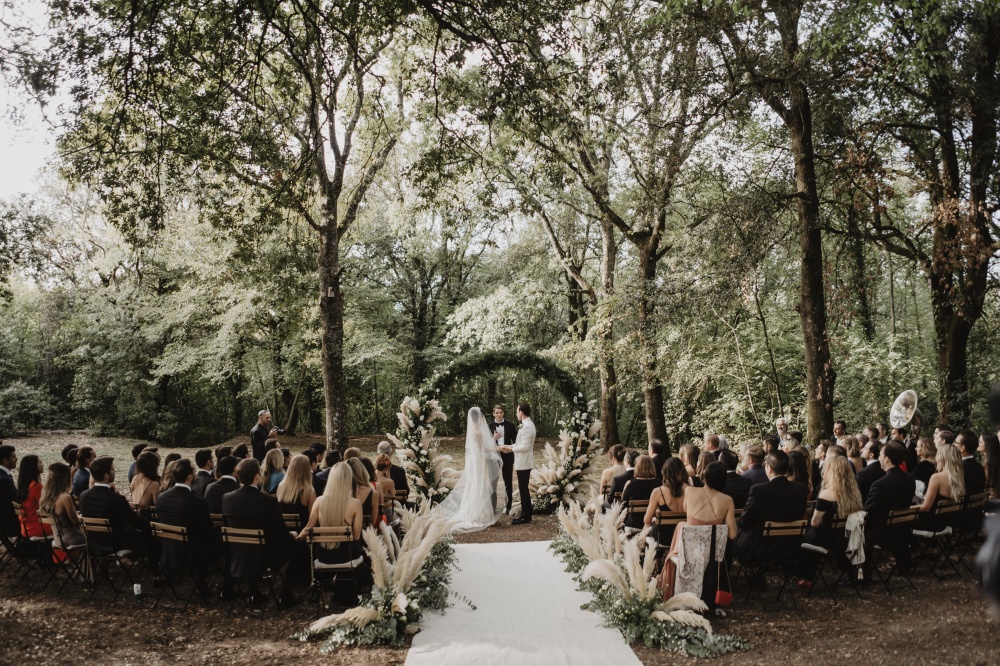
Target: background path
x=528 y=612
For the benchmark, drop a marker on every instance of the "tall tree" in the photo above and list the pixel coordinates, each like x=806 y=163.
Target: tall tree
x=281 y=108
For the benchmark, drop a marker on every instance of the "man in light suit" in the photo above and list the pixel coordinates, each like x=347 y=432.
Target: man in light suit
x=524 y=460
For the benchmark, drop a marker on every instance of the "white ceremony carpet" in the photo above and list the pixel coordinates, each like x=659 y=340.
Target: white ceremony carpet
x=528 y=612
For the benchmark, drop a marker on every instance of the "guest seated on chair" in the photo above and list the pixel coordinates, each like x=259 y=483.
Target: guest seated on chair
x=839 y=496
x=755 y=466
x=227 y=483
x=640 y=488
x=704 y=460
x=989 y=446
x=272 y=472
x=10 y=525
x=927 y=465
x=689 y=456
x=295 y=492
x=203 y=461
x=396 y=473
x=333 y=456
x=136 y=450
x=850 y=444
x=659 y=452
x=57 y=502
x=29 y=493
x=130 y=531
x=892 y=492
x=250 y=509
x=667 y=497
x=81 y=477
x=179 y=506
x=337 y=507
x=618 y=483
x=800 y=468
x=737 y=485
x=872 y=471
x=947 y=483
x=616 y=454
x=386 y=486
x=778 y=500
x=363 y=491
x=975 y=476
x=145 y=487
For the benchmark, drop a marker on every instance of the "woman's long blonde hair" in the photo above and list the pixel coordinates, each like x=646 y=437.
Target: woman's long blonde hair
x=949 y=461
x=927 y=449
x=274 y=462
x=839 y=478
x=333 y=502
x=850 y=444
x=360 y=474
x=297 y=487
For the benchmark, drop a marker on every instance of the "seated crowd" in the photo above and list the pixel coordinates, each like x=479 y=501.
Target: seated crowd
x=783 y=480
x=285 y=498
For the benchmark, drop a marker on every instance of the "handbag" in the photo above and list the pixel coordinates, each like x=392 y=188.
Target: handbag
x=723 y=598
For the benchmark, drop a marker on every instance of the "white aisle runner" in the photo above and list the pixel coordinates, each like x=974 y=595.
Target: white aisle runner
x=528 y=612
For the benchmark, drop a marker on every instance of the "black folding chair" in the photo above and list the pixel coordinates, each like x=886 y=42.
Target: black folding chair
x=175 y=534
x=635 y=512
x=245 y=537
x=320 y=572
x=778 y=550
x=897 y=537
x=832 y=556
x=71 y=559
x=946 y=516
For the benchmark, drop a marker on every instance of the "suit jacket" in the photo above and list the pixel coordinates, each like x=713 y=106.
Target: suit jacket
x=509 y=431
x=866 y=477
x=524 y=446
x=658 y=462
x=975 y=476
x=183 y=508
x=130 y=531
x=738 y=488
x=202 y=480
x=10 y=526
x=248 y=508
x=398 y=476
x=215 y=492
x=618 y=483
x=320 y=478
x=777 y=500
x=756 y=474
x=258 y=435
x=893 y=491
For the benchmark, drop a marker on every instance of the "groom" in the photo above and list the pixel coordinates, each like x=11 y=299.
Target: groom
x=504 y=435
x=524 y=461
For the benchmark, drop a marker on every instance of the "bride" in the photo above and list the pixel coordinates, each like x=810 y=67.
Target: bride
x=472 y=505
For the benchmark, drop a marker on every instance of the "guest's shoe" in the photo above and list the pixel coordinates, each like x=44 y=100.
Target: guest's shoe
x=520 y=521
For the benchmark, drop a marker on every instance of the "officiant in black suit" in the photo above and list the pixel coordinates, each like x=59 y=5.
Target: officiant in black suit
x=505 y=434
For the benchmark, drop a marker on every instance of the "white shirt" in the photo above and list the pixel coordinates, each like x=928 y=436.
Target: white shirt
x=103 y=485
x=182 y=485
x=228 y=476
x=503 y=433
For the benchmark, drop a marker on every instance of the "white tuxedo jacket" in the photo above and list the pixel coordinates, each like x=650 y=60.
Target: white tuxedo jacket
x=524 y=446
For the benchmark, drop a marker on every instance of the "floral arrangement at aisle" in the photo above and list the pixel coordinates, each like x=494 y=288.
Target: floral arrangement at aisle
x=409 y=578
x=611 y=567
x=562 y=478
x=431 y=477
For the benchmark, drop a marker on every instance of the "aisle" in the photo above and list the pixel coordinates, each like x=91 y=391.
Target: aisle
x=528 y=612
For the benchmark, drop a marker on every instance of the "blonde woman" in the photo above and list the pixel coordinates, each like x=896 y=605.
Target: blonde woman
x=947 y=483
x=838 y=496
x=364 y=492
x=272 y=472
x=927 y=452
x=850 y=444
x=337 y=507
x=295 y=492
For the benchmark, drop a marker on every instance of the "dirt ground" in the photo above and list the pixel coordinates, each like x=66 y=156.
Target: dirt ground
x=940 y=623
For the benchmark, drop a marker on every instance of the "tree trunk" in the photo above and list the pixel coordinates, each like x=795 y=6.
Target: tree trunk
x=860 y=276
x=652 y=391
x=606 y=339
x=812 y=305
x=332 y=321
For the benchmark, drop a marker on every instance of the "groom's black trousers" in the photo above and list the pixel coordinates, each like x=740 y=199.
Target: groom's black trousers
x=523 y=478
x=507 y=471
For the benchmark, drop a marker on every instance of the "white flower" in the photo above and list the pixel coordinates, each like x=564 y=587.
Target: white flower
x=399 y=604
x=570 y=487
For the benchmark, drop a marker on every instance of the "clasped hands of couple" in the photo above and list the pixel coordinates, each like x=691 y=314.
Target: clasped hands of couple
x=502 y=449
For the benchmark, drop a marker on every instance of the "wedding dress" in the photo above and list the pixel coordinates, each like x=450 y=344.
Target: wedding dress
x=472 y=505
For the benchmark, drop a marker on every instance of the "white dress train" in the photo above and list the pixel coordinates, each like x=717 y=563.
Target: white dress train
x=472 y=505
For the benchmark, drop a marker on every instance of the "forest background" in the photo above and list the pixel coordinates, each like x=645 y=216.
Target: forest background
x=714 y=212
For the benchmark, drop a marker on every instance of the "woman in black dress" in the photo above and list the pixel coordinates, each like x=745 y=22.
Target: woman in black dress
x=839 y=495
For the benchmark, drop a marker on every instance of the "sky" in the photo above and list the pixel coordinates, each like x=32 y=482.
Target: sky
x=27 y=143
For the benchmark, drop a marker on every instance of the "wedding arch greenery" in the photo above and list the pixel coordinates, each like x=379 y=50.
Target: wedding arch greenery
x=559 y=480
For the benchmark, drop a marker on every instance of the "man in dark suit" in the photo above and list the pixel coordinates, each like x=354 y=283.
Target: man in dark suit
x=180 y=506
x=203 y=460
x=320 y=478
x=892 y=492
x=260 y=433
x=712 y=444
x=660 y=453
x=872 y=471
x=250 y=509
x=975 y=474
x=129 y=530
x=227 y=483
x=397 y=473
x=504 y=434
x=778 y=500
x=9 y=524
x=618 y=482
x=737 y=486
x=755 y=468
